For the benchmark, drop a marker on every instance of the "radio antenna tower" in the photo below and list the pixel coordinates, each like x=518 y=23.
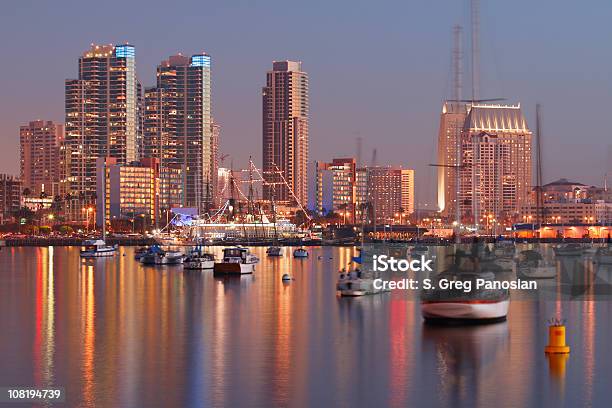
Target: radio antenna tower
x=475 y=47
x=457 y=63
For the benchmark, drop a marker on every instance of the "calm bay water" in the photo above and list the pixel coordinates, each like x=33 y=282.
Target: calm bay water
x=117 y=334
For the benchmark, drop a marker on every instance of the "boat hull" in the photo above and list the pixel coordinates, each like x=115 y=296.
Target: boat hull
x=98 y=254
x=199 y=265
x=234 y=268
x=160 y=260
x=357 y=287
x=537 y=272
x=474 y=310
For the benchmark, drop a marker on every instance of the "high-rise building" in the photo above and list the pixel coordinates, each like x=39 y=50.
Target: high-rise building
x=385 y=193
x=101 y=115
x=343 y=187
x=224 y=189
x=495 y=172
x=452 y=120
x=285 y=132
x=178 y=127
x=127 y=191
x=10 y=196
x=40 y=156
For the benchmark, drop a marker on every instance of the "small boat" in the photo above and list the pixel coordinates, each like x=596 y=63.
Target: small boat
x=418 y=250
x=570 y=249
x=300 y=253
x=531 y=265
x=477 y=305
x=274 y=251
x=198 y=259
x=139 y=252
x=286 y=278
x=97 y=248
x=505 y=249
x=356 y=283
x=236 y=260
x=157 y=256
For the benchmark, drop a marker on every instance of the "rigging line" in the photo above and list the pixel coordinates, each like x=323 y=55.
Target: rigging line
x=293 y=194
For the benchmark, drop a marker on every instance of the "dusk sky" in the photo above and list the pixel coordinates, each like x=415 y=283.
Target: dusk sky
x=378 y=69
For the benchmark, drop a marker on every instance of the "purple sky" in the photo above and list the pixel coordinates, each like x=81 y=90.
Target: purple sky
x=378 y=70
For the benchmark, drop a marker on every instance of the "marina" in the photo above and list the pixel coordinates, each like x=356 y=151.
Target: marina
x=132 y=331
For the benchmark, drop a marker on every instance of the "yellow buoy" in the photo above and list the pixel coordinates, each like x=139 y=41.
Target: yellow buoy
x=556 y=340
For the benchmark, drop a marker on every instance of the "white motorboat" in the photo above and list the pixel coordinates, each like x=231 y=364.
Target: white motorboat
x=357 y=283
x=236 y=260
x=300 y=253
x=198 y=259
x=157 y=256
x=97 y=248
x=274 y=251
x=476 y=305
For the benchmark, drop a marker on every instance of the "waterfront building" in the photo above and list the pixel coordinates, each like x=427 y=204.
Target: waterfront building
x=127 y=191
x=40 y=156
x=495 y=172
x=342 y=177
x=101 y=116
x=10 y=196
x=178 y=127
x=387 y=191
x=570 y=203
x=36 y=203
x=285 y=132
x=215 y=132
x=452 y=120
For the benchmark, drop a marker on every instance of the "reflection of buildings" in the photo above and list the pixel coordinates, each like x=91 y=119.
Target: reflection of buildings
x=342 y=177
x=40 y=156
x=387 y=191
x=44 y=338
x=285 y=131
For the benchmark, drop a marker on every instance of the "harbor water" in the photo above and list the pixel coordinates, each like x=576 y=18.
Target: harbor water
x=114 y=333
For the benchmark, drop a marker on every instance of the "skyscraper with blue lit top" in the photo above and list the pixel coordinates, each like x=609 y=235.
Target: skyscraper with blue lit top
x=101 y=115
x=178 y=126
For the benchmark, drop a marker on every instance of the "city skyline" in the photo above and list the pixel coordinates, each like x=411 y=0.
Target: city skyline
x=402 y=104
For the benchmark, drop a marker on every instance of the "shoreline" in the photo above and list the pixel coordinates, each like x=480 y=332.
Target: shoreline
x=145 y=241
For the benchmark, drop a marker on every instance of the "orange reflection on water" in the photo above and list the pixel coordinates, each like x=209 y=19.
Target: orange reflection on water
x=402 y=316
x=44 y=338
x=88 y=333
